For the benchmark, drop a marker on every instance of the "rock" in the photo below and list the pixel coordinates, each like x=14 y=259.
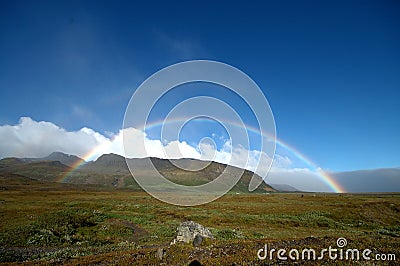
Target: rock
x=187 y=232
x=197 y=240
x=195 y=263
x=115 y=182
x=160 y=253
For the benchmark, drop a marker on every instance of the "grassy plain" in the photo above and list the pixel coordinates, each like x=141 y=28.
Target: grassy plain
x=45 y=223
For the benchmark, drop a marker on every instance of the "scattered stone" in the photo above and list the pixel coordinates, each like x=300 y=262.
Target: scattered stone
x=195 y=263
x=160 y=253
x=197 y=240
x=115 y=182
x=187 y=232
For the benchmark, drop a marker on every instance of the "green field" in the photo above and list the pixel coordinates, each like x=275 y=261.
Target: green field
x=44 y=222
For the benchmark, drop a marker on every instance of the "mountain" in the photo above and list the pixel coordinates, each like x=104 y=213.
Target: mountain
x=107 y=163
x=63 y=158
x=111 y=170
x=35 y=169
x=115 y=165
x=284 y=188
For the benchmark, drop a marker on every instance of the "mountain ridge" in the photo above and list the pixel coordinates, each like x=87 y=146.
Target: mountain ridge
x=66 y=159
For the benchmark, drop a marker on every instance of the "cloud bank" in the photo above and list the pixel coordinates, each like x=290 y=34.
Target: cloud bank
x=30 y=138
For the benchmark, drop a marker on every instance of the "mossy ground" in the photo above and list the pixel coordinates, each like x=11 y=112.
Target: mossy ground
x=45 y=223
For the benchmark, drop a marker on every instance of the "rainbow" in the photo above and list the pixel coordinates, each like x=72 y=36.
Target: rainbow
x=89 y=156
x=325 y=177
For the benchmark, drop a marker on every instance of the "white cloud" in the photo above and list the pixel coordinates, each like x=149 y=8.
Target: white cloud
x=37 y=139
x=183 y=48
x=81 y=112
x=30 y=138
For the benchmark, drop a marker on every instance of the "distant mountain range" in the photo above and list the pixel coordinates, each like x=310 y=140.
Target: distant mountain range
x=111 y=170
x=63 y=158
x=284 y=188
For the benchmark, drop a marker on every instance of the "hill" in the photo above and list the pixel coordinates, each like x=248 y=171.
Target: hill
x=39 y=170
x=284 y=188
x=63 y=158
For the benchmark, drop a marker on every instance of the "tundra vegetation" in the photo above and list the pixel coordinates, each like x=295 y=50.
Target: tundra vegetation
x=43 y=222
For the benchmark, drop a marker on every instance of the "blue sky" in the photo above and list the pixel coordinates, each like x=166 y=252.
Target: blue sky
x=329 y=69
